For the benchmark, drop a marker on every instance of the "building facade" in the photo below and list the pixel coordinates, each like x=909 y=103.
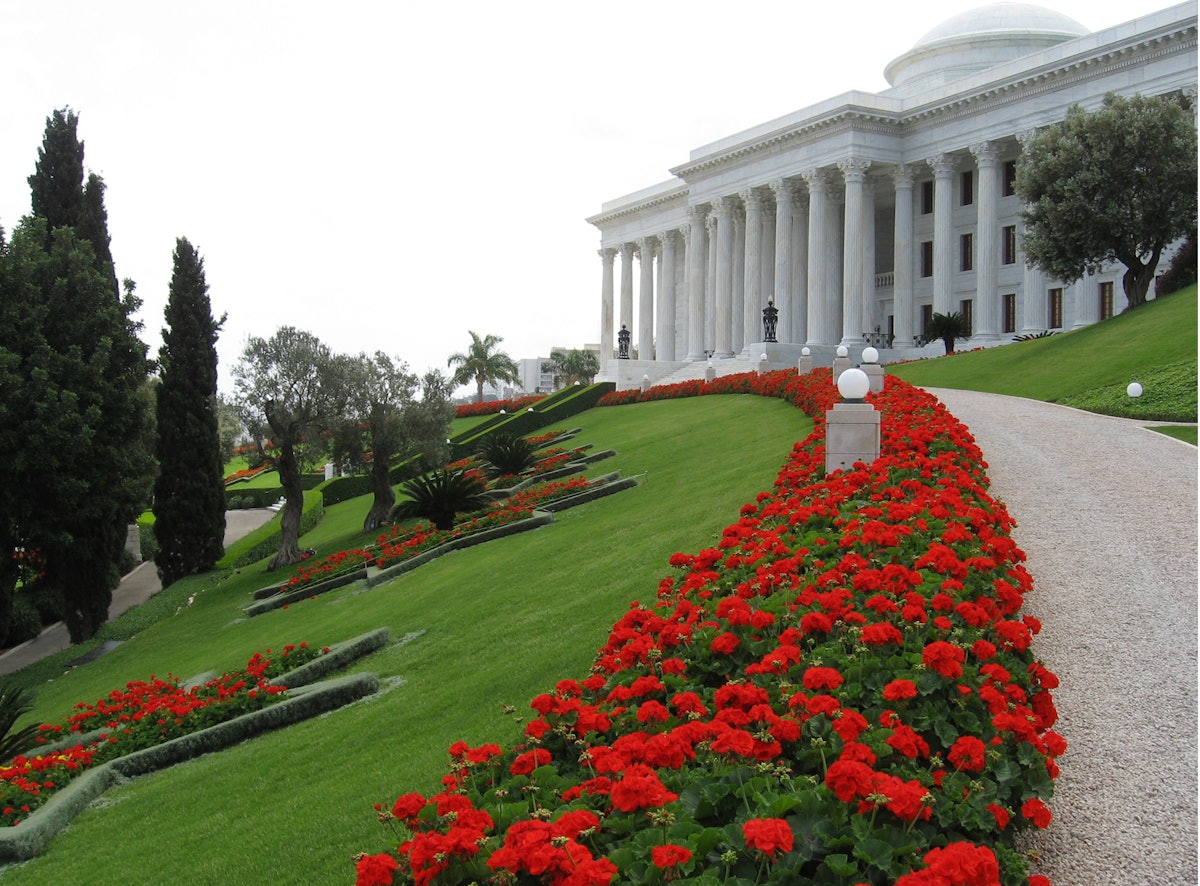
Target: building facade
x=859 y=217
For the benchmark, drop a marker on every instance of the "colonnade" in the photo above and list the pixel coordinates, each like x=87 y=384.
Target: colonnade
x=809 y=244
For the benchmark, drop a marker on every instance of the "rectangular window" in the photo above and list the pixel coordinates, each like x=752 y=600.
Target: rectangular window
x=1010 y=244
x=926 y=258
x=1056 y=317
x=1010 y=311
x=927 y=197
x=1106 y=300
x=926 y=318
x=966 y=252
x=965 y=307
x=1010 y=177
x=966 y=192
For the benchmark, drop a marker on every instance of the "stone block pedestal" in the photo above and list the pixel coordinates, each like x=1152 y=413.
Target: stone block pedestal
x=851 y=434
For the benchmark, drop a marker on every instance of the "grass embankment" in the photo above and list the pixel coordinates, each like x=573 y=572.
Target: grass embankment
x=494 y=624
x=1089 y=368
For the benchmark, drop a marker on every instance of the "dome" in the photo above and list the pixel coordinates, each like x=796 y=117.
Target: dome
x=979 y=39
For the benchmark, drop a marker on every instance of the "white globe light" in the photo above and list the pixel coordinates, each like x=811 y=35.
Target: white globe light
x=853 y=384
x=1134 y=389
x=843 y=351
x=870 y=355
x=805 y=352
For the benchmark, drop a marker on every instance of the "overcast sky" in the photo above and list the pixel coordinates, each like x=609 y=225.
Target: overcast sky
x=389 y=175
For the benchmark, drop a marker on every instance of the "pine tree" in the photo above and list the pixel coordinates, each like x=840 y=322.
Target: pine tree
x=189 y=494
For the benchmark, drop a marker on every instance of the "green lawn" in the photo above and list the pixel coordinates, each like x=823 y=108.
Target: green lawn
x=492 y=624
x=1089 y=368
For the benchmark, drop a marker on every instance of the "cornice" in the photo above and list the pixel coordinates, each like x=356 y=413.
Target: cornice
x=639 y=205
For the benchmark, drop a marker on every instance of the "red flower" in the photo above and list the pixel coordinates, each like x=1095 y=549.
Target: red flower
x=822 y=678
x=670 y=855
x=409 y=807
x=725 y=643
x=945 y=658
x=640 y=789
x=375 y=870
x=967 y=753
x=899 y=689
x=529 y=761
x=768 y=835
x=1035 y=810
x=1001 y=815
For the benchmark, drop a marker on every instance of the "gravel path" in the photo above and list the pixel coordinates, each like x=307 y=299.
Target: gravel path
x=1106 y=512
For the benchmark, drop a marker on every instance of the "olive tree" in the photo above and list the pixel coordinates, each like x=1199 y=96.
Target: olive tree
x=293 y=386
x=1117 y=184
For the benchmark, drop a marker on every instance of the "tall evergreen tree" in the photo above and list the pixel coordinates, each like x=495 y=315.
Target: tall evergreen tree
x=76 y=471
x=81 y=466
x=56 y=186
x=189 y=493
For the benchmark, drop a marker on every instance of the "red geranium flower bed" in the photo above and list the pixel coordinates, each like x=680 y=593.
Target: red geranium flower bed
x=841 y=691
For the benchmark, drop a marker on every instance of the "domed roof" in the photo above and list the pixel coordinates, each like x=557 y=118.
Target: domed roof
x=1005 y=17
x=979 y=39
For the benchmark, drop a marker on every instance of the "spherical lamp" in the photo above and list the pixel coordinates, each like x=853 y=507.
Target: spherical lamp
x=853 y=385
x=805 y=352
x=843 y=351
x=1134 y=389
x=870 y=355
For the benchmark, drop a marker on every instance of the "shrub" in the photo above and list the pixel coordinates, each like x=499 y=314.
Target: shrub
x=48 y=601
x=440 y=495
x=1182 y=270
x=1045 y=333
x=15 y=702
x=25 y=623
x=507 y=454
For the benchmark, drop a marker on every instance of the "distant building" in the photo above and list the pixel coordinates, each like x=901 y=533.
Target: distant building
x=862 y=215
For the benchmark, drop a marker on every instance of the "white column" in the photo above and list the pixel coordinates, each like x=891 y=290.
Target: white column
x=737 y=308
x=817 y=279
x=723 y=213
x=987 y=243
x=645 y=323
x=665 y=330
x=902 y=291
x=798 y=324
x=607 y=255
x=1086 y=293
x=626 y=317
x=681 y=292
x=943 y=166
x=784 y=192
x=1034 y=308
x=754 y=296
x=834 y=248
x=710 y=287
x=768 y=252
x=870 y=301
x=697 y=275
x=854 y=171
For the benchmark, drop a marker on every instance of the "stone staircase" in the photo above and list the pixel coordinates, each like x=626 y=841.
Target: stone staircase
x=697 y=370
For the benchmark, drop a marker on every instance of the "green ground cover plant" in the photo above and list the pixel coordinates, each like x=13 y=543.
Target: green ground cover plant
x=491 y=624
x=1156 y=341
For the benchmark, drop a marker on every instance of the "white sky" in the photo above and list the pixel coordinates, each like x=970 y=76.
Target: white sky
x=390 y=175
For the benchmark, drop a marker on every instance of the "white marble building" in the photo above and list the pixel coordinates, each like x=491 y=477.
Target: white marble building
x=862 y=215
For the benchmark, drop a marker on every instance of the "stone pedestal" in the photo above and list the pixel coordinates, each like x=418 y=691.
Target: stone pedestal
x=874 y=372
x=851 y=435
x=133 y=541
x=840 y=365
x=804 y=365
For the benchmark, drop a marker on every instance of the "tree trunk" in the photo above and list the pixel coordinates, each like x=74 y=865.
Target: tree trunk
x=1137 y=280
x=479 y=385
x=385 y=497
x=293 y=509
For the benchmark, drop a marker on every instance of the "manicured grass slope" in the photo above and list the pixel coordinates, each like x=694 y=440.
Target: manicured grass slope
x=1085 y=367
x=489 y=625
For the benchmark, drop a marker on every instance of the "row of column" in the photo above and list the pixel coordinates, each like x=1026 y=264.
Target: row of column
x=816 y=262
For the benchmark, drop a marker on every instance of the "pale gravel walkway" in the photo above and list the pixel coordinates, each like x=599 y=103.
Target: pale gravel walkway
x=1106 y=512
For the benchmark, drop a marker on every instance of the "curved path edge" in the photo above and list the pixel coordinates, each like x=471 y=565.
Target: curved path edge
x=1106 y=513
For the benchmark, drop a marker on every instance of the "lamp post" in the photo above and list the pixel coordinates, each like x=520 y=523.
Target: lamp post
x=870 y=365
x=841 y=362
x=770 y=320
x=805 y=364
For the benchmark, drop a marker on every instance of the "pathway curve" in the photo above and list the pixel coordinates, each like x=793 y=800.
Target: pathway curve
x=1106 y=512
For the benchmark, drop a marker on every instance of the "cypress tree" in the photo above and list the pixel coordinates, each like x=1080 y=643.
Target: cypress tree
x=87 y=469
x=189 y=494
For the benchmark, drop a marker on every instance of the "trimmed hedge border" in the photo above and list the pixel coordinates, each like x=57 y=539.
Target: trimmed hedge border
x=31 y=836
x=270 y=598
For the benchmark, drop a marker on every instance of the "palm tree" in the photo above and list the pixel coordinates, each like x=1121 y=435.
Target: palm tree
x=948 y=327
x=441 y=496
x=482 y=363
x=572 y=366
